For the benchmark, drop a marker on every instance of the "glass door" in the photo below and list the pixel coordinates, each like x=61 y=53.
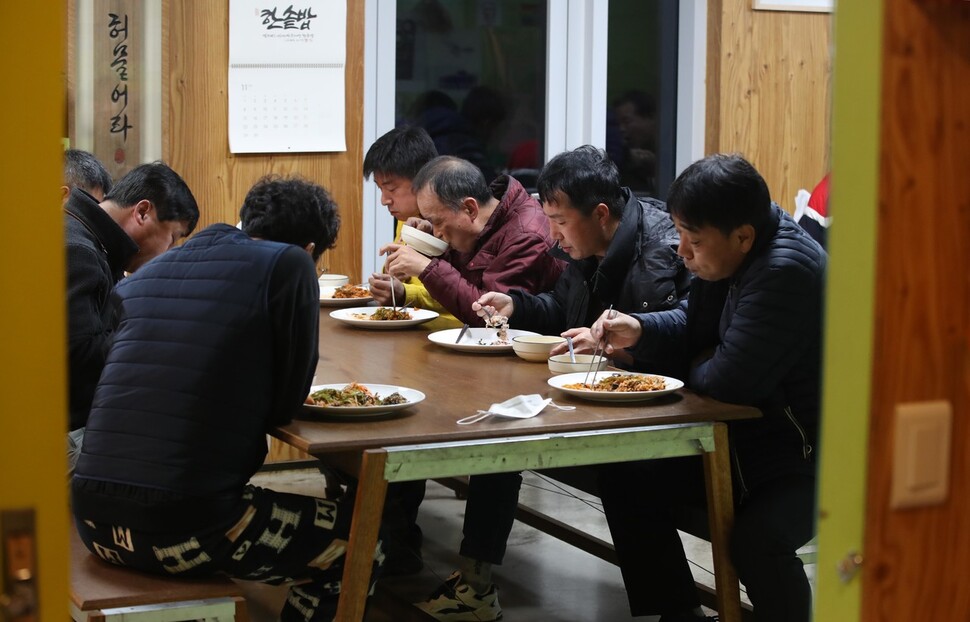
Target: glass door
x=507 y=84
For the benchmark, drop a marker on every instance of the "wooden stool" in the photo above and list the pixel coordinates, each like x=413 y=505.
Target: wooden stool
x=101 y=592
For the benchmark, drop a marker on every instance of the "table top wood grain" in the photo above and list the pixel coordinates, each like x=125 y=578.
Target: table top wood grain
x=456 y=385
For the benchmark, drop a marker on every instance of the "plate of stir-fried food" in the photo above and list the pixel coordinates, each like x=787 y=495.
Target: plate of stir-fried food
x=383 y=317
x=359 y=400
x=345 y=296
x=614 y=386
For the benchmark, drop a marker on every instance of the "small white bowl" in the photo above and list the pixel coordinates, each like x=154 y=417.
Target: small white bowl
x=333 y=280
x=535 y=348
x=560 y=364
x=422 y=242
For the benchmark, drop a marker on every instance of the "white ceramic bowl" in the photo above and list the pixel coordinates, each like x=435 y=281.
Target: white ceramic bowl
x=333 y=280
x=560 y=364
x=422 y=242
x=535 y=348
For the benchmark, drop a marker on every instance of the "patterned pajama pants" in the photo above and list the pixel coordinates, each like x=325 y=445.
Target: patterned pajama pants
x=279 y=538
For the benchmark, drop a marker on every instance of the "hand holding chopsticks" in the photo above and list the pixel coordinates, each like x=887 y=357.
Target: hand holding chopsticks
x=598 y=351
x=493 y=303
x=616 y=330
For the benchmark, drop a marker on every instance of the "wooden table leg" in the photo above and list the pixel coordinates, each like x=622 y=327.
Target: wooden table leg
x=368 y=507
x=720 y=516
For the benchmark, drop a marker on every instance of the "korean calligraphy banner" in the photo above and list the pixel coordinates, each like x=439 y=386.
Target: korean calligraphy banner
x=118 y=75
x=287 y=76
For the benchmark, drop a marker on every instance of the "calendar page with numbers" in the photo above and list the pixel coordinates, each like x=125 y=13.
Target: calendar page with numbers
x=286 y=76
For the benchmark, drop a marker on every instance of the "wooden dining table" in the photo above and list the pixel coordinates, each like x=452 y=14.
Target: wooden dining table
x=424 y=441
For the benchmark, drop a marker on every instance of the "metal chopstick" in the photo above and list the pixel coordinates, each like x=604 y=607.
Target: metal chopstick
x=600 y=350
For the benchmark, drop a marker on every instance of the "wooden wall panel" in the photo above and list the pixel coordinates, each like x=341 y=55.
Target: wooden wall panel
x=916 y=559
x=195 y=40
x=769 y=87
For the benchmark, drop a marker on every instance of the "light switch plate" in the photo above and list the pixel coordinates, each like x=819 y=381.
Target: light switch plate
x=921 y=454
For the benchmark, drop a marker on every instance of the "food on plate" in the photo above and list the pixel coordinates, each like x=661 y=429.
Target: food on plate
x=384 y=313
x=501 y=324
x=622 y=383
x=351 y=291
x=352 y=395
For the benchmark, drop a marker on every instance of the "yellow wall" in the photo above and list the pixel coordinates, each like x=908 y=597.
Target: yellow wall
x=33 y=384
x=850 y=303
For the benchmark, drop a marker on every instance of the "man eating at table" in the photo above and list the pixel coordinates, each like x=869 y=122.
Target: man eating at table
x=750 y=333
x=393 y=160
x=140 y=217
x=620 y=252
x=217 y=345
x=498 y=235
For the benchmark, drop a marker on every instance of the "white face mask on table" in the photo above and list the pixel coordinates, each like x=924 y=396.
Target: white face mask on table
x=518 y=407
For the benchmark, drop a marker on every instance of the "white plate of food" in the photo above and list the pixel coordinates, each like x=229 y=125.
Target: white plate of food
x=345 y=296
x=477 y=339
x=383 y=317
x=615 y=386
x=359 y=400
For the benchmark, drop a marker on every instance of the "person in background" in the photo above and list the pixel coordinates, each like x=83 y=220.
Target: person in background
x=636 y=117
x=83 y=170
x=393 y=161
x=620 y=251
x=498 y=235
x=750 y=333
x=141 y=216
x=462 y=133
x=217 y=346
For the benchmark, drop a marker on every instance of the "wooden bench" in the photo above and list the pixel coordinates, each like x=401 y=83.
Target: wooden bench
x=101 y=592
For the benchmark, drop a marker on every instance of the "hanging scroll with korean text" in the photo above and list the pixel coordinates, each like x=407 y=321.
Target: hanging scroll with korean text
x=118 y=75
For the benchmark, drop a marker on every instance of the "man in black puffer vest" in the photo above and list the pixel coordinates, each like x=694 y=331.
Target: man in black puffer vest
x=216 y=345
x=750 y=333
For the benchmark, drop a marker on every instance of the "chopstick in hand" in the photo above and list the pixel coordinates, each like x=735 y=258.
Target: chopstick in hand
x=390 y=281
x=598 y=351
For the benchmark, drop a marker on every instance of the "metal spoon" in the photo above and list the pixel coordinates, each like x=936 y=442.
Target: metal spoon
x=572 y=352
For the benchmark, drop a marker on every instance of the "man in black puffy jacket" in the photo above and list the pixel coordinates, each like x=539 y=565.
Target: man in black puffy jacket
x=621 y=252
x=138 y=218
x=749 y=333
x=217 y=344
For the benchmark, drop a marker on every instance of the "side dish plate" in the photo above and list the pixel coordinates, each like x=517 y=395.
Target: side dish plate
x=351 y=413
x=359 y=317
x=481 y=340
x=327 y=299
x=559 y=382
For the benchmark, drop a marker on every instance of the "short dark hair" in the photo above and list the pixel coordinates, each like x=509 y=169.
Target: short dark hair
x=723 y=191
x=158 y=183
x=401 y=151
x=452 y=180
x=587 y=176
x=291 y=210
x=83 y=170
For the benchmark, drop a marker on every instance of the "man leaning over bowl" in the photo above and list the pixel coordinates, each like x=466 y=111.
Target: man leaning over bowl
x=620 y=251
x=498 y=235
